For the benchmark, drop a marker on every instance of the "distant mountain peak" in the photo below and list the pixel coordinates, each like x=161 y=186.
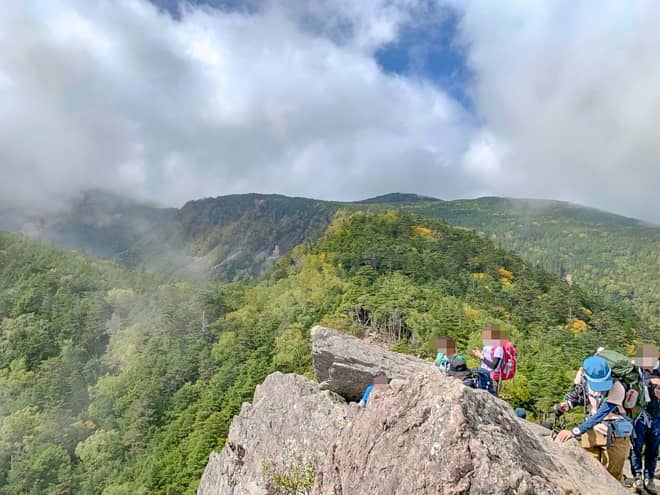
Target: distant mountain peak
x=398 y=198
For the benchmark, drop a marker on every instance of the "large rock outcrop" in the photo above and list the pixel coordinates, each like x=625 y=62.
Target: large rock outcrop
x=426 y=435
x=346 y=364
x=290 y=416
x=433 y=435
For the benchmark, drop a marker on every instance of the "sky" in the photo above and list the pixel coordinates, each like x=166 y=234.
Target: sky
x=333 y=99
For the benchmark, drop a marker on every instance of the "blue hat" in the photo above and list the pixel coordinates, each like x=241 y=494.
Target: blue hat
x=598 y=374
x=521 y=413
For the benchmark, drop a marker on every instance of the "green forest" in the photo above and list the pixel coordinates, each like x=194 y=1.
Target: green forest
x=238 y=237
x=116 y=380
x=614 y=256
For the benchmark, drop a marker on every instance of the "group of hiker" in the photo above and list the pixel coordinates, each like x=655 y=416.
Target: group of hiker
x=620 y=397
x=497 y=361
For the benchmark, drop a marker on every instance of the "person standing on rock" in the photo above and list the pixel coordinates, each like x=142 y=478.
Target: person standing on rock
x=646 y=441
x=491 y=357
x=380 y=382
x=606 y=432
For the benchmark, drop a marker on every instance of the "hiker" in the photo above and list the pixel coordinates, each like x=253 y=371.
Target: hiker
x=576 y=397
x=491 y=357
x=605 y=434
x=646 y=440
x=446 y=351
x=380 y=382
x=457 y=367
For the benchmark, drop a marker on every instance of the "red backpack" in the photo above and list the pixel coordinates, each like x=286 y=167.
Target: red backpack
x=507 y=368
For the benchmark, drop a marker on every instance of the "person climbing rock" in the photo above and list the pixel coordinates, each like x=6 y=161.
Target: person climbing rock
x=576 y=397
x=606 y=432
x=646 y=441
x=379 y=382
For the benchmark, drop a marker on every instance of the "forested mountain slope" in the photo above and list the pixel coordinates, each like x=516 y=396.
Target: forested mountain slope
x=77 y=402
x=230 y=237
x=615 y=256
x=113 y=381
x=239 y=237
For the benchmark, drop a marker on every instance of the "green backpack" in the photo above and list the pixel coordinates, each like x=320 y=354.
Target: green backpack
x=630 y=377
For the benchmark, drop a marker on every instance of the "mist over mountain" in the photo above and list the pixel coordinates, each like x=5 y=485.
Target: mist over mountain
x=98 y=222
x=329 y=99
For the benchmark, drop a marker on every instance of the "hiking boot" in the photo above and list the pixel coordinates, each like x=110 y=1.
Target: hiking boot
x=650 y=487
x=637 y=485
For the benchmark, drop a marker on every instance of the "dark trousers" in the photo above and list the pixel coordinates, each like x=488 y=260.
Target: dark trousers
x=484 y=381
x=645 y=444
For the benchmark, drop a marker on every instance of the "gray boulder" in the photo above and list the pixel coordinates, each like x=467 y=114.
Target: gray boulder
x=346 y=364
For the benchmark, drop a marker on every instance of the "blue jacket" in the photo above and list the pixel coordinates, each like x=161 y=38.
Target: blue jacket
x=604 y=409
x=365 y=396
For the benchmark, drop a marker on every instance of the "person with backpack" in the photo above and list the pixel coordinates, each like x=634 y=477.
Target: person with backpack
x=446 y=352
x=498 y=360
x=606 y=432
x=646 y=441
x=491 y=356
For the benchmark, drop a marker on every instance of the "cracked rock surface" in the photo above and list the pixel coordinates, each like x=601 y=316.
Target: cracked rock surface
x=432 y=435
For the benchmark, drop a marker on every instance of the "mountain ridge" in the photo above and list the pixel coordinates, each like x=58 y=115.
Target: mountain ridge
x=237 y=237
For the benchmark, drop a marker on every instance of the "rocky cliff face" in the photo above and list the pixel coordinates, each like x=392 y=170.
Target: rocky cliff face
x=288 y=426
x=424 y=434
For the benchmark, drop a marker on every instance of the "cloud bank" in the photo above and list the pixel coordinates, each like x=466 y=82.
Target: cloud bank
x=568 y=92
x=289 y=97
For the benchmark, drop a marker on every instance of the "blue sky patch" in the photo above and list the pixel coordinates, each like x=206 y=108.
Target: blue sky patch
x=429 y=51
x=172 y=6
x=425 y=49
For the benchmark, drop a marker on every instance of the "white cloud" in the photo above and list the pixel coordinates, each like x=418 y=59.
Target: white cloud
x=571 y=88
x=286 y=98
x=483 y=157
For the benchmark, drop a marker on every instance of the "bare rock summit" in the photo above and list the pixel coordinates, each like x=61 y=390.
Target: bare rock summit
x=425 y=433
